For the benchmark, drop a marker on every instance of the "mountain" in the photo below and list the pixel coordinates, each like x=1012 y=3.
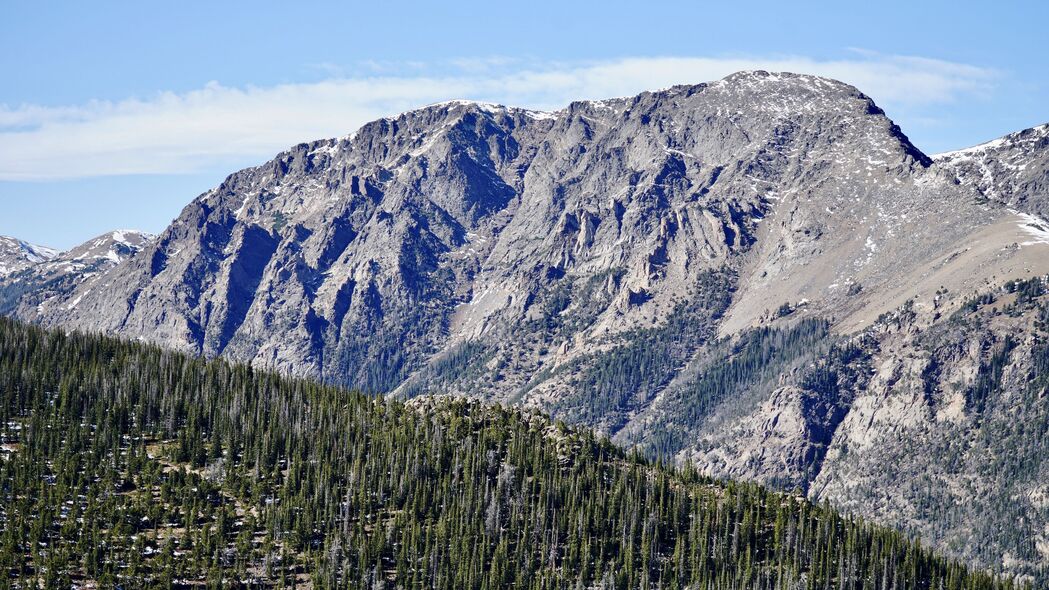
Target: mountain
x=218 y=475
x=458 y=221
x=16 y=255
x=1013 y=169
x=760 y=276
x=35 y=288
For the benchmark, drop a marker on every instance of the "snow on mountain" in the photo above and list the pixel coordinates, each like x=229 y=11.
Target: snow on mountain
x=1013 y=169
x=32 y=289
x=16 y=255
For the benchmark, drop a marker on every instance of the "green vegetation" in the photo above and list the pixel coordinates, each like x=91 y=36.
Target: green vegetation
x=756 y=357
x=1026 y=290
x=133 y=466
x=626 y=377
x=989 y=378
x=998 y=438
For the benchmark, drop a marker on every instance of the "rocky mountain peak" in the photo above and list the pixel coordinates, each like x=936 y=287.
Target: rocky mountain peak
x=115 y=247
x=653 y=189
x=16 y=255
x=35 y=289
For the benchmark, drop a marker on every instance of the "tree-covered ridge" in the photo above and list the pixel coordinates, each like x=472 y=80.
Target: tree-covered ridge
x=133 y=466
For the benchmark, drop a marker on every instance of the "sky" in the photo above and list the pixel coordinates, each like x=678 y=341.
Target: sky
x=118 y=114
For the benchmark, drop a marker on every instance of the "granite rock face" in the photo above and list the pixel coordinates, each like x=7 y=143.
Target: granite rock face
x=760 y=275
x=451 y=222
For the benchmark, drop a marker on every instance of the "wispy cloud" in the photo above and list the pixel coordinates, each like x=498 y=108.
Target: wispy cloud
x=214 y=125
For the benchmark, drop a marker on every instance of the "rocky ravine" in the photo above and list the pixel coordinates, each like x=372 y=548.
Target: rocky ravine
x=761 y=275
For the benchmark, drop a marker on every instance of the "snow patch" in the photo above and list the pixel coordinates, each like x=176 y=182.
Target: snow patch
x=969 y=151
x=490 y=107
x=1034 y=226
x=673 y=152
x=240 y=210
x=74 y=303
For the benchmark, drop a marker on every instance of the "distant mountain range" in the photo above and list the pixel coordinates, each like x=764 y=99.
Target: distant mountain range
x=36 y=285
x=760 y=275
x=16 y=255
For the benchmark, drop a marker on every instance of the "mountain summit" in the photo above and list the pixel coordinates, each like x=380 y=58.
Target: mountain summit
x=36 y=287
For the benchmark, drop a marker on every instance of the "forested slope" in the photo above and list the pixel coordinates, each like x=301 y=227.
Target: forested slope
x=132 y=466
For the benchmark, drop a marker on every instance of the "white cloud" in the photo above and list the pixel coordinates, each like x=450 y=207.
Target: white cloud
x=215 y=125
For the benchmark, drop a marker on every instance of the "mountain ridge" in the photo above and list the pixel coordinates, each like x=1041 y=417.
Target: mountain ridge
x=35 y=288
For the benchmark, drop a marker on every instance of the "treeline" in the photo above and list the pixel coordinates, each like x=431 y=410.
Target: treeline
x=130 y=466
x=757 y=356
x=625 y=377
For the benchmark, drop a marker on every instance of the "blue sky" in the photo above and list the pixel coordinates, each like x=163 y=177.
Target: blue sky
x=117 y=114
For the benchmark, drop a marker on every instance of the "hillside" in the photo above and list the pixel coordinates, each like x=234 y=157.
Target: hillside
x=128 y=465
